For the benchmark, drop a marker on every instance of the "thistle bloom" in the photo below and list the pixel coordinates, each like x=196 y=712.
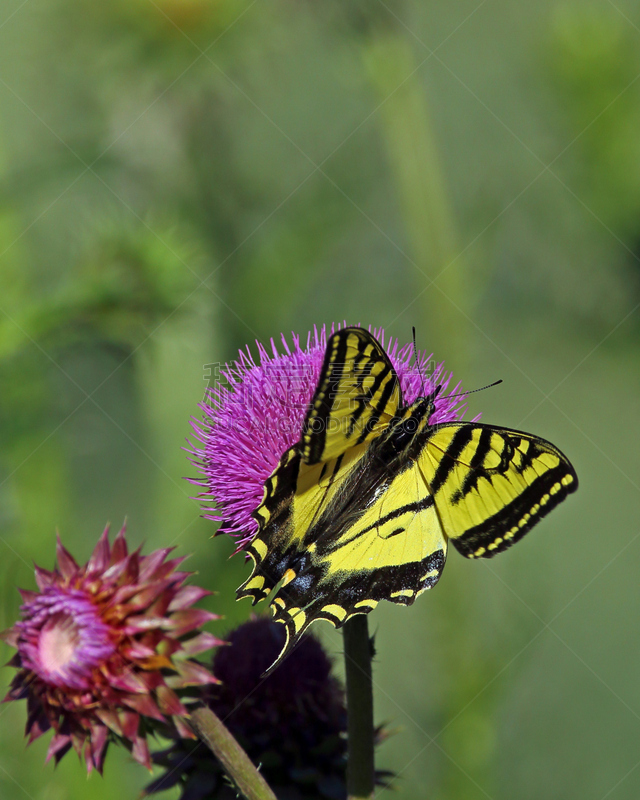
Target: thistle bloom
x=250 y=422
x=104 y=648
x=292 y=723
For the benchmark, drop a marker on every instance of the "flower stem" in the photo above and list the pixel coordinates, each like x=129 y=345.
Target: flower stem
x=357 y=657
x=212 y=731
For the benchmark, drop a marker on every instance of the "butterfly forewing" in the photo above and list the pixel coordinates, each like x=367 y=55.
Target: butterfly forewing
x=357 y=396
x=491 y=485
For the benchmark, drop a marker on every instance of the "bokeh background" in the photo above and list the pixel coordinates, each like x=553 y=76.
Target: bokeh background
x=181 y=177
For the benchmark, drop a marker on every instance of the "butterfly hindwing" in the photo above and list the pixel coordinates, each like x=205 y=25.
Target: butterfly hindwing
x=390 y=547
x=357 y=395
x=297 y=498
x=491 y=485
x=337 y=552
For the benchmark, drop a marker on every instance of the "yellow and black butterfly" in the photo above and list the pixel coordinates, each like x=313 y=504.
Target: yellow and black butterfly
x=361 y=509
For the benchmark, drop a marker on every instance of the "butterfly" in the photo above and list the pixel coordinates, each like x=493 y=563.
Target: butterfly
x=363 y=506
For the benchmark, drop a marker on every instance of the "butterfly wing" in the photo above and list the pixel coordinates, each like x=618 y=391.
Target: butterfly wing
x=397 y=544
x=315 y=491
x=346 y=539
x=491 y=485
x=341 y=527
x=358 y=394
x=297 y=498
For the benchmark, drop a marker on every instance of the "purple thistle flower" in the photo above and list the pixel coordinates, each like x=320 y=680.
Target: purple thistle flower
x=250 y=422
x=104 y=649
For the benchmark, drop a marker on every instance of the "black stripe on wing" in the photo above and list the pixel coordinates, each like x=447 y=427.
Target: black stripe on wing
x=460 y=440
x=314 y=430
x=511 y=523
x=380 y=405
x=416 y=507
x=477 y=468
x=351 y=357
x=358 y=592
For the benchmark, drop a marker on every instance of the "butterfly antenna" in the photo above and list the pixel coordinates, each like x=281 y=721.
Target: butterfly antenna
x=473 y=391
x=415 y=357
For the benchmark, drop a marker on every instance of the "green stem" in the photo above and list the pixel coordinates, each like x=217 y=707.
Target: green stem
x=236 y=762
x=357 y=659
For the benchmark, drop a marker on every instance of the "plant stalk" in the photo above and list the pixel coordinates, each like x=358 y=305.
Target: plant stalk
x=417 y=171
x=237 y=764
x=357 y=657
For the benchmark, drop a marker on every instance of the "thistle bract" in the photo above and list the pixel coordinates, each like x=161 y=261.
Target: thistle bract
x=105 y=648
x=257 y=414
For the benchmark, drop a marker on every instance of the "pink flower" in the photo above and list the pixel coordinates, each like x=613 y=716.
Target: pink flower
x=104 y=647
x=250 y=422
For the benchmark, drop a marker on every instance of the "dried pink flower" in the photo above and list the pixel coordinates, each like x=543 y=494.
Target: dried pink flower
x=104 y=647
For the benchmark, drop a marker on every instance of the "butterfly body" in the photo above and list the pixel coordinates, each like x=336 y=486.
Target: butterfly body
x=362 y=508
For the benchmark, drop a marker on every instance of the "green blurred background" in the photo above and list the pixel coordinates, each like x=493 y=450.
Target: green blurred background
x=181 y=177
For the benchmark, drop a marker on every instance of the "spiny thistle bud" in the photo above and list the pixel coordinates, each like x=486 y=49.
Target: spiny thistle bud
x=291 y=723
x=105 y=648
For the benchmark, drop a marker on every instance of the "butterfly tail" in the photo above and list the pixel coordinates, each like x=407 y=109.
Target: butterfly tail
x=295 y=621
